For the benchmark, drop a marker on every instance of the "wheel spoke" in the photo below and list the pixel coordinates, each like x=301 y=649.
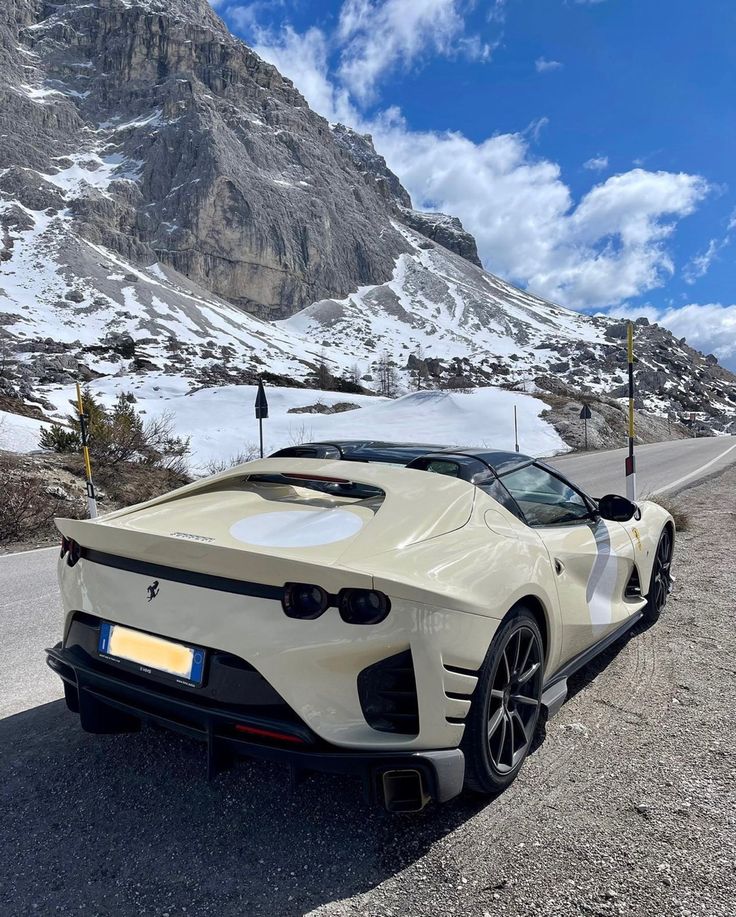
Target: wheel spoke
x=523 y=699
x=515 y=716
x=495 y=722
x=503 y=739
x=511 y=739
x=518 y=651
x=506 y=663
x=525 y=676
x=529 y=646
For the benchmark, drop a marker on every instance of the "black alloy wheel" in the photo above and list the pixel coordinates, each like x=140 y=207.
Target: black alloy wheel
x=505 y=707
x=660 y=584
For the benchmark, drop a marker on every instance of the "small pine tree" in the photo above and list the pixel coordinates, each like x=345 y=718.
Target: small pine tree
x=119 y=435
x=388 y=379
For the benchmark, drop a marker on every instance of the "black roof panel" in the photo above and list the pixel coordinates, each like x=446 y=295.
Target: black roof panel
x=369 y=450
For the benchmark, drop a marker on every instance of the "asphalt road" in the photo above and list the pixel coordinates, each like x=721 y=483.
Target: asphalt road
x=129 y=825
x=660 y=467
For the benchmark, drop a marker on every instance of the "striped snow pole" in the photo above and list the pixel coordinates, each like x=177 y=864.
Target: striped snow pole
x=630 y=460
x=91 y=500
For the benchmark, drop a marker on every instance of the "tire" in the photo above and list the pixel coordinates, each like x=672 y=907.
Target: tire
x=661 y=580
x=500 y=727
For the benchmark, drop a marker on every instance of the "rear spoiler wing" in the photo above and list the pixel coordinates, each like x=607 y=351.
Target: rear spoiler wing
x=416 y=506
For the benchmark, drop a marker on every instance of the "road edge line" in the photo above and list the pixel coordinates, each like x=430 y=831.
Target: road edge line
x=691 y=474
x=51 y=547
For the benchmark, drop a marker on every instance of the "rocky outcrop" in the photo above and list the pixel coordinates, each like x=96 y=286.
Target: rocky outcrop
x=446 y=231
x=371 y=164
x=158 y=181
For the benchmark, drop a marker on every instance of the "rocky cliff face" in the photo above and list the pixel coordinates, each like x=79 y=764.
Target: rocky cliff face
x=171 y=141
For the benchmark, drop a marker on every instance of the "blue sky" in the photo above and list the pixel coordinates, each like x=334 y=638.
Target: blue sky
x=588 y=144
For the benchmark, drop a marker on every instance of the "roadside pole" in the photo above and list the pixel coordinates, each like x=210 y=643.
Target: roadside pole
x=630 y=460
x=91 y=499
x=261 y=410
x=516 y=431
x=585 y=416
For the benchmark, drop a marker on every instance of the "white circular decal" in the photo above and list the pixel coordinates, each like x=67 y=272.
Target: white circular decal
x=297 y=528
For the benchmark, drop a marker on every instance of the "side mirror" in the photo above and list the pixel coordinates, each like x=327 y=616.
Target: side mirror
x=617 y=509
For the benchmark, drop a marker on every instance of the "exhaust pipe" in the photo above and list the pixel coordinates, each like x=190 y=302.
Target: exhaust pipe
x=403 y=791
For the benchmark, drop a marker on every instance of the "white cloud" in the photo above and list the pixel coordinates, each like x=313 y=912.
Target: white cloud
x=700 y=264
x=596 y=163
x=601 y=250
x=544 y=66
x=376 y=36
x=605 y=249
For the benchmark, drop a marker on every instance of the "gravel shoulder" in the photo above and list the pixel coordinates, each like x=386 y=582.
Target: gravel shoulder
x=628 y=806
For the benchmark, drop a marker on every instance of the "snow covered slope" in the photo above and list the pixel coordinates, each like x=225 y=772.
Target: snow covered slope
x=444 y=316
x=19 y=434
x=161 y=186
x=73 y=308
x=221 y=424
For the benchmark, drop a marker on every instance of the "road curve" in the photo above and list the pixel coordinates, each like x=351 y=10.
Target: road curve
x=660 y=467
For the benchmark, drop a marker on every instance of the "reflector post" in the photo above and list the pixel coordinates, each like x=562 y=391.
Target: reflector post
x=91 y=497
x=630 y=460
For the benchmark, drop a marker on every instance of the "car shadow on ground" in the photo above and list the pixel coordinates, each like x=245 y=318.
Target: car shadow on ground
x=129 y=825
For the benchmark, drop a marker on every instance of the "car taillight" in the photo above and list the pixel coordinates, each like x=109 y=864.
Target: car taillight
x=71 y=550
x=302 y=600
x=363 y=606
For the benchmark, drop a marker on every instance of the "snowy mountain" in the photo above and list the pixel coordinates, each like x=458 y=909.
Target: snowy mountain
x=171 y=207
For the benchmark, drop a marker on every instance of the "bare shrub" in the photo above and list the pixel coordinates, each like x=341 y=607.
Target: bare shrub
x=300 y=434
x=28 y=506
x=248 y=454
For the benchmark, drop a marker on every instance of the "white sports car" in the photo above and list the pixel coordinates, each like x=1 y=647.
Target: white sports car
x=401 y=612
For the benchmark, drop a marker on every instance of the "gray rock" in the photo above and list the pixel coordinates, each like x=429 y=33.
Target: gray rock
x=446 y=231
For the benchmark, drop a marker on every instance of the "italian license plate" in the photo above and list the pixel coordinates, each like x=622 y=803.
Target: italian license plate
x=152 y=653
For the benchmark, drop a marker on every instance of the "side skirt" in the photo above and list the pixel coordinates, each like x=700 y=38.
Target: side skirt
x=554 y=693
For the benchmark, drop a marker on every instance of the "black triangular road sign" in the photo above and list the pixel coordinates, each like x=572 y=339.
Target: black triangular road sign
x=261 y=402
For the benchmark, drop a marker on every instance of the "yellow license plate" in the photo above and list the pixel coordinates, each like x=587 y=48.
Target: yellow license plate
x=150 y=652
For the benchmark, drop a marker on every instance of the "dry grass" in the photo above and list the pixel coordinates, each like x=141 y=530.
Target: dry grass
x=675 y=508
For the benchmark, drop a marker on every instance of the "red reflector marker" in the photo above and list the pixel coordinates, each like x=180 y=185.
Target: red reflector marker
x=269 y=734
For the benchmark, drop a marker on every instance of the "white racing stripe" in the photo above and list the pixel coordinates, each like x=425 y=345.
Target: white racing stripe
x=692 y=474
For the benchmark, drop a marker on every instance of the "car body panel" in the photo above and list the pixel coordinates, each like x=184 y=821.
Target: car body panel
x=452 y=561
x=593 y=563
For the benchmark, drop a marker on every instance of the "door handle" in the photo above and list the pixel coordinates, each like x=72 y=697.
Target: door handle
x=559 y=567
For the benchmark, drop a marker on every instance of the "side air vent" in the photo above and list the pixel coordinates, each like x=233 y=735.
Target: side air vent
x=388 y=695
x=633 y=587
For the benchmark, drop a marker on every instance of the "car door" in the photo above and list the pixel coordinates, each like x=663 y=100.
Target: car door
x=593 y=559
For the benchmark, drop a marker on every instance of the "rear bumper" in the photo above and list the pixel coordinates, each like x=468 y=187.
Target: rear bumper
x=111 y=702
